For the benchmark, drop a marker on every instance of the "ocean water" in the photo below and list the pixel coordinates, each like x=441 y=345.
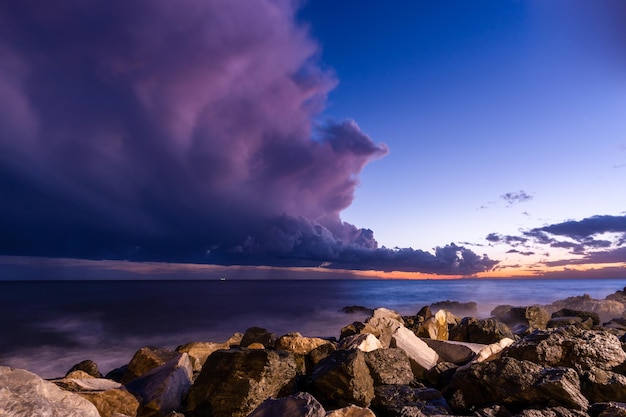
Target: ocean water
x=48 y=326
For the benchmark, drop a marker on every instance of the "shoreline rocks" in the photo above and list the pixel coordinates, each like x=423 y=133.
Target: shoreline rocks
x=559 y=360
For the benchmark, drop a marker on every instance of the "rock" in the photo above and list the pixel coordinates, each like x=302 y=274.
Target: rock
x=235 y=339
x=79 y=375
x=87 y=384
x=357 y=309
x=162 y=389
x=199 y=352
x=295 y=342
x=414 y=322
x=530 y=318
x=492 y=351
x=619 y=296
x=403 y=400
x=492 y=411
x=557 y=322
x=351 y=411
x=383 y=328
x=388 y=314
x=301 y=404
x=456 y=352
x=343 y=378
x=24 y=394
x=365 y=342
x=605 y=309
x=113 y=402
x=318 y=354
x=440 y=375
x=356 y=328
x=515 y=384
x=436 y=327
x=608 y=409
x=256 y=345
x=421 y=356
x=616 y=326
x=599 y=385
x=234 y=382
x=258 y=335
x=584 y=315
x=389 y=366
x=571 y=347
x=469 y=309
x=88 y=366
x=485 y=331
x=146 y=359
x=551 y=412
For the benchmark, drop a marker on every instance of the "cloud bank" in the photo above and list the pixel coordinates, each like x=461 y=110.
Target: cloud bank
x=180 y=131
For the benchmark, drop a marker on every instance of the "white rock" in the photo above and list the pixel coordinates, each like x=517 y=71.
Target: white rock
x=386 y=313
x=24 y=394
x=421 y=356
x=364 y=341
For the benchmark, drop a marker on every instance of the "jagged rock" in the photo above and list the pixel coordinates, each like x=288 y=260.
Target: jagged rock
x=551 y=412
x=527 y=319
x=492 y=351
x=384 y=327
x=599 y=385
x=557 y=322
x=605 y=309
x=24 y=394
x=421 y=356
x=162 y=389
x=468 y=309
x=608 y=409
x=235 y=339
x=113 y=402
x=515 y=384
x=485 y=331
x=389 y=366
x=318 y=354
x=440 y=375
x=351 y=411
x=571 y=347
x=146 y=359
x=403 y=400
x=341 y=379
x=414 y=322
x=295 y=342
x=456 y=352
x=388 y=314
x=357 y=328
x=88 y=366
x=365 y=342
x=258 y=335
x=619 y=296
x=357 y=309
x=301 y=404
x=199 y=352
x=584 y=315
x=616 y=326
x=234 y=382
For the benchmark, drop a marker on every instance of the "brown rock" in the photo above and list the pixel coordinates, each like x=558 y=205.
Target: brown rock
x=318 y=354
x=146 y=359
x=389 y=366
x=530 y=317
x=383 y=329
x=295 y=342
x=584 y=315
x=599 y=385
x=199 y=352
x=484 y=331
x=551 y=412
x=88 y=366
x=113 y=402
x=351 y=411
x=608 y=409
x=557 y=322
x=605 y=309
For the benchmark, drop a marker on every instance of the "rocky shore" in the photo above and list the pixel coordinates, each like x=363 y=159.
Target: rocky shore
x=558 y=360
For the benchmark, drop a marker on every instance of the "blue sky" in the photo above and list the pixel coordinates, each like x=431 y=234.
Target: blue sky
x=483 y=138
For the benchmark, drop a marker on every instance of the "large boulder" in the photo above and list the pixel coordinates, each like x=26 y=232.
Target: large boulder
x=516 y=385
x=584 y=315
x=389 y=366
x=484 y=331
x=296 y=343
x=386 y=313
x=571 y=347
x=199 y=352
x=606 y=309
x=258 y=335
x=234 y=382
x=383 y=328
x=456 y=352
x=421 y=356
x=146 y=359
x=24 y=394
x=404 y=400
x=109 y=397
x=599 y=385
x=525 y=319
x=162 y=389
x=366 y=342
x=341 y=379
x=301 y=404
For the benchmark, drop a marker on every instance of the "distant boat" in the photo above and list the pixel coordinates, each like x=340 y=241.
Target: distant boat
x=222 y=279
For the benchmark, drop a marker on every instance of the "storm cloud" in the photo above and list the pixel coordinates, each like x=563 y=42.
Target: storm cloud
x=181 y=131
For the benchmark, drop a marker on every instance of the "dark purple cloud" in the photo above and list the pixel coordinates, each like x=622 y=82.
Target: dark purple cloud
x=516 y=197
x=586 y=228
x=182 y=131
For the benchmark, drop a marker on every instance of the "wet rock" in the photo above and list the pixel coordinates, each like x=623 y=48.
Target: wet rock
x=403 y=400
x=88 y=366
x=146 y=359
x=389 y=366
x=608 y=409
x=605 y=309
x=383 y=328
x=571 y=347
x=599 y=385
x=484 y=331
x=365 y=342
x=421 y=356
x=341 y=379
x=295 y=342
x=584 y=315
x=530 y=317
x=515 y=384
x=468 y=309
x=162 y=389
x=24 y=394
x=234 y=382
x=301 y=404
x=456 y=352
x=351 y=411
x=199 y=352
x=258 y=335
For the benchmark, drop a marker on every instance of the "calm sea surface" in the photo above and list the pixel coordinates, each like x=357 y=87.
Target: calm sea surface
x=46 y=327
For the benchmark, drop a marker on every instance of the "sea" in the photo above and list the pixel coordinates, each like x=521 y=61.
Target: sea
x=48 y=326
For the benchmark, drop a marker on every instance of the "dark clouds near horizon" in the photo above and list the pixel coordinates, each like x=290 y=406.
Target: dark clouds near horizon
x=181 y=131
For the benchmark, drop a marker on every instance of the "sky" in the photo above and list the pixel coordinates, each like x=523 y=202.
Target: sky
x=331 y=138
